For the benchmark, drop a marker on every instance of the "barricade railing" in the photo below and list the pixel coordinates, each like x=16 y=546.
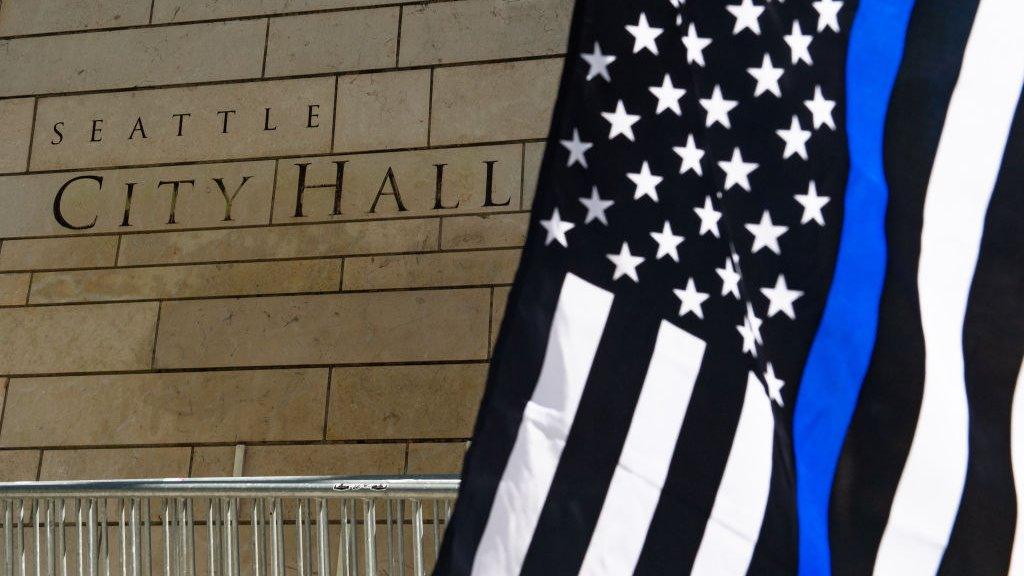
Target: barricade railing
x=296 y=526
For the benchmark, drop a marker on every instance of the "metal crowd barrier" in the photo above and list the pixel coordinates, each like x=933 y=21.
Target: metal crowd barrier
x=294 y=526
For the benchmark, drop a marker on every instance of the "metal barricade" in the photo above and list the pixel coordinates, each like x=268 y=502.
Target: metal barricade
x=295 y=526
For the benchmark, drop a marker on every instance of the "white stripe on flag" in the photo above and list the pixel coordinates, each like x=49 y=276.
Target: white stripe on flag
x=735 y=523
x=963 y=176
x=1017 y=461
x=643 y=464
x=576 y=330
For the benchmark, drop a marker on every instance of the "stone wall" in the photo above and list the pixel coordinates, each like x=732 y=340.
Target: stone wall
x=284 y=224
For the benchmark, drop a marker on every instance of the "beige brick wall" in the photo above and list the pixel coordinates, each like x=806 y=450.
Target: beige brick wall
x=288 y=224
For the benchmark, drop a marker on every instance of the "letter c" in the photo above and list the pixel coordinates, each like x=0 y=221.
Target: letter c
x=60 y=195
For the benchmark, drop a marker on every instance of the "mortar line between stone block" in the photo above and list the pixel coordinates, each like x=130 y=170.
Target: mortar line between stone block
x=405 y=468
x=3 y=408
x=522 y=178
x=226 y=444
x=273 y=193
x=156 y=333
x=490 y=326
x=31 y=134
x=398 y=41
x=266 y=46
x=117 y=251
x=152 y=6
x=252 y=79
x=430 y=106
x=199 y=263
x=39 y=466
x=200 y=369
x=327 y=403
x=191 y=458
x=234 y=18
x=28 y=292
x=334 y=115
x=341 y=276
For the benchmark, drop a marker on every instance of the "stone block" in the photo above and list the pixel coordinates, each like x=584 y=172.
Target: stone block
x=210 y=280
x=446 y=32
x=399 y=402
x=58 y=253
x=332 y=42
x=486 y=231
x=279 y=242
x=85 y=338
x=382 y=111
x=494 y=102
x=430 y=270
x=412 y=326
x=167 y=408
x=205 y=52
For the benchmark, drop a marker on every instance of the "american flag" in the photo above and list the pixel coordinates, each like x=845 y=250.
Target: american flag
x=770 y=314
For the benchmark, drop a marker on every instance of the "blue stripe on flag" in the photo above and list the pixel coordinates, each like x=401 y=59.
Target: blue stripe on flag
x=842 y=348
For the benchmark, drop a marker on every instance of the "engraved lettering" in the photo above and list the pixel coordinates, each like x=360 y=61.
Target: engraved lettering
x=130 y=190
x=181 y=121
x=175 y=186
x=60 y=135
x=225 y=114
x=339 y=180
x=229 y=200
x=59 y=215
x=96 y=130
x=489 y=187
x=389 y=180
x=439 y=174
x=138 y=128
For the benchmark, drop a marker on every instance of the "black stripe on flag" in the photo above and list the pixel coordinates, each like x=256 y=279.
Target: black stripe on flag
x=882 y=427
x=993 y=346
x=594 y=444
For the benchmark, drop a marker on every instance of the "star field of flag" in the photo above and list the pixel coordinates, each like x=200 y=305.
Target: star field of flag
x=748 y=306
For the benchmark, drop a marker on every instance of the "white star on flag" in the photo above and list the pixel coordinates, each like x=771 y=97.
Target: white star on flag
x=691 y=300
x=737 y=172
x=695 y=46
x=812 y=204
x=828 y=14
x=556 y=228
x=746 y=14
x=644 y=35
x=781 y=298
x=668 y=243
x=690 y=156
x=709 y=218
x=767 y=77
x=668 y=96
x=621 y=122
x=799 y=44
x=577 y=149
x=717 y=108
x=625 y=263
x=747 y=333
x=821 y=109
x=730 y=279
x=766 y=234
x=795 y=138
x=774 y=385
x=646 y=182
x=596 y=207
x=598 y=63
